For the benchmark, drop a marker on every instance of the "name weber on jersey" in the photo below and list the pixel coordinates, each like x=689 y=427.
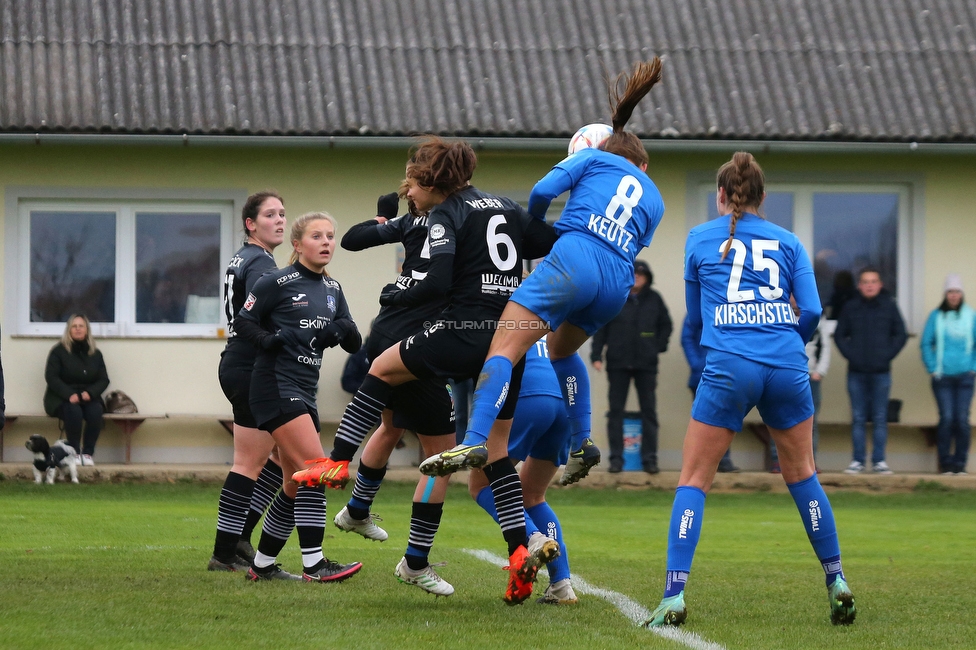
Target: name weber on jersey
x=754 y=313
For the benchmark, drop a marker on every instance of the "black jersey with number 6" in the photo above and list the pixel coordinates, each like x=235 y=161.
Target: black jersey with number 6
x=488 y=237
x=293 y=302
x=248 y=264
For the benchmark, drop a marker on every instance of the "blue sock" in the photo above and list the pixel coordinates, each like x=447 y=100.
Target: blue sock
x=683 y=534
x=574 y=380
x=548 y=523
x=486 y=500
x=818 y=519
x=489 y=396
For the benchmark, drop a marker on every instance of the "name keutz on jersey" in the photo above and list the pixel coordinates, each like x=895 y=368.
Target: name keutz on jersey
x=619 y=211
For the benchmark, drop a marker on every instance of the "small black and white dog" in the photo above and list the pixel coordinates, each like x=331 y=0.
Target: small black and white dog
x=52 y=461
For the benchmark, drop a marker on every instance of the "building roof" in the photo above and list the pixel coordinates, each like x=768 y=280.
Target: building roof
x=854 y=70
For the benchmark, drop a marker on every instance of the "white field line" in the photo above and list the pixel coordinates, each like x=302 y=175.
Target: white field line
x=633 y=610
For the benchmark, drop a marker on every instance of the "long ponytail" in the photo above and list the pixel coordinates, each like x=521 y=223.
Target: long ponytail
x=640 y=81
x=745 y=184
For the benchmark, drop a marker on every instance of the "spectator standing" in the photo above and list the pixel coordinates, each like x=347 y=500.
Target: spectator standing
x=870 y=333
x=949 y=356
x=695 y=354
x=633 y=340
x=76 y=378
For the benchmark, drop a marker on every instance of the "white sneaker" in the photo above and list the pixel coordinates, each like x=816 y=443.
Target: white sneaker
x=854 y=468
x=881 y=467
x=427 y=579
x=86 y=460
x=559 y=593
x=542 y=549
x=365 y=527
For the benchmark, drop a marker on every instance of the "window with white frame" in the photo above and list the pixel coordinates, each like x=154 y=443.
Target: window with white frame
x=134 y=267
x=844 y=228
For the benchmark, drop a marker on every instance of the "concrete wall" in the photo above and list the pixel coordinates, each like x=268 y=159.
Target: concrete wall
x=178 y=376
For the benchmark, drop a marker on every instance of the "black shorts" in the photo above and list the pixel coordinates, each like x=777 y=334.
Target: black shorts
x=235 y=381
x=423 y=406
x=446 y=353
x=271 y=414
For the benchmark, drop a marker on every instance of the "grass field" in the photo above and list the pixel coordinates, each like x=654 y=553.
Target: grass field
x=123 y=566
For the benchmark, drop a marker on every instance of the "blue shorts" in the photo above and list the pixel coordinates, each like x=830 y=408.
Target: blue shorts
x=540 y=429
x=731 y=385
x=578 y=282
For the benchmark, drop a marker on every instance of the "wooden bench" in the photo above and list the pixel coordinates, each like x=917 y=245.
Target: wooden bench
x=128 y=422
x=226 y=421
x=761 y=432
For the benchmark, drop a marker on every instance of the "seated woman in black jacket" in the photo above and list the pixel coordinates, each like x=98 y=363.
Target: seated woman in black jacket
x=76 y=377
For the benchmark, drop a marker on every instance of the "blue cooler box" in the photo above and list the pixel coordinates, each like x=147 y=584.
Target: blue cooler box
x=632 y=442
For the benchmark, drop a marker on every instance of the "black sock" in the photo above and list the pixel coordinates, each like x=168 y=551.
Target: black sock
x=235 y=499
x=424 y=521
x=278 y=524
x=361 y=415
x=507 y=491
x=310 y=523
x=368 y=482
x=267 y=485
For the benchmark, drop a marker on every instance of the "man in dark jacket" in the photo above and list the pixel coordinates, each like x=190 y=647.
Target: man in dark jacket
x=870 y=333
x=633 y=340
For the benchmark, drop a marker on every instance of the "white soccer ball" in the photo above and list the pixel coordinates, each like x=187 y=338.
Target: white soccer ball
x=589 y=137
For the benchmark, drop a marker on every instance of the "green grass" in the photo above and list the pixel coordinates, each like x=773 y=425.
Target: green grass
x=122 y=566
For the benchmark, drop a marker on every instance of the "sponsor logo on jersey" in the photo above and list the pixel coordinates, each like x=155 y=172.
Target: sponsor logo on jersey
x=250 y=301
x=437 y=231
x=486 y=204
x=309 y=361
x=687 y=521
x=815 y=515
x=754 y=313
x=330 y=302
x=495 y=283
x=288 y=278
x=314 y=323
x=295 y=399
x=298 y=297
x=610 y=230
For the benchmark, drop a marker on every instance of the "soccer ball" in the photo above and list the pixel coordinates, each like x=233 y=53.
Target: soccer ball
x=589 y=137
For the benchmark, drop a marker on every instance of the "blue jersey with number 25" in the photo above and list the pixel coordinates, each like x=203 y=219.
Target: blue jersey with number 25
x=745 y=298
x=610 y=200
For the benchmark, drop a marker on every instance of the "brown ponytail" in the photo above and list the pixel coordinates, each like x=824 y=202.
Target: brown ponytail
x=640 y=81
x=745 y=186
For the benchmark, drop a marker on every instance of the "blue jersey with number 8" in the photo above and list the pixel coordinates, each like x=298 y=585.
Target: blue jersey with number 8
x=745 y=298
x=611 y=201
